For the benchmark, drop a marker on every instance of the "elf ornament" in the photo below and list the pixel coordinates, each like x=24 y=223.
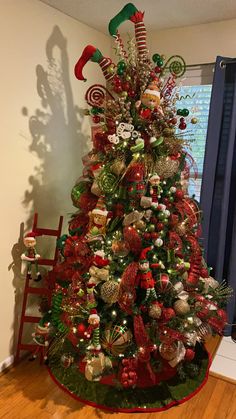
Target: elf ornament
x=93 y=331
x=31 y=256
x=154 y=181
x=144 y=277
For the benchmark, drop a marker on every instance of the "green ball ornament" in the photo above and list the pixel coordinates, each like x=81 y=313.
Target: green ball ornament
x=161 y=216
x=171 y=199
x=159 y=62
x=120 y=71
x=151 y=228
x=165 y=221
x=121 y=65
x=179 y=112
x=156 y=57
x=185 y=112
x=94 y=111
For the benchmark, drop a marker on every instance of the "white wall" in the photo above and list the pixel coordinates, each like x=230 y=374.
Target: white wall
x=42 y=172
x=196 y=44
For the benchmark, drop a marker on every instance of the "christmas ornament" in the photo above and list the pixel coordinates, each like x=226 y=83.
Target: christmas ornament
x=96 y=365
x=165 y=167
x=67 y=360
x=116 y=339
x=168 y=351
x=120 y=248
x=31 y=256
x=181 y=307
x=93 y=331
x=109 y=292
x=154 y=311
x=98 y=219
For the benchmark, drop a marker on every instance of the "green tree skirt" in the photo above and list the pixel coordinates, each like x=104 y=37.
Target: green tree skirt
x=159 y=397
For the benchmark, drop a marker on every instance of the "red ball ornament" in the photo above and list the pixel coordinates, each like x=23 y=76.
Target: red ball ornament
x=126 y=86
x=189 y=354
x=168 y=314
x=81 y=329
x=131 y=93
x=182 y=125
x=96 y=119
x=117 y=89
x=160 y=226
x=147 y=236
x=153 y=74
x=179 y=194
x=154 y=235
x=157 y=69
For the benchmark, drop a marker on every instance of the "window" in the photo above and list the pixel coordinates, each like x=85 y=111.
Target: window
x=195 y=95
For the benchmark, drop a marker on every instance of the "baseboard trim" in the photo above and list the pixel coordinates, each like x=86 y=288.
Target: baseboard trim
x=222 y=377
x=7 y=363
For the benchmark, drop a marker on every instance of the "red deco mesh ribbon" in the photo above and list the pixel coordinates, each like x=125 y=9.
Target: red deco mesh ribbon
x=168 y=335
x=144 y=344
x=127 y=292
x=133 y=239
x=175 y=241
x=195 y=261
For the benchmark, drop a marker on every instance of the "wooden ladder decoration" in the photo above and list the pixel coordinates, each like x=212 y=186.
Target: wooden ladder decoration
x=47 y=290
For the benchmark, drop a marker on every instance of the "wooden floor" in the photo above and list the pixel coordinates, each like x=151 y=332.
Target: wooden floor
x=27 y=392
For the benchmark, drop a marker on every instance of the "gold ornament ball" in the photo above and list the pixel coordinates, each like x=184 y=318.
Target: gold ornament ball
x=154 y=311
x=141 y=225
x=110 y=291
x=168 y=351
x=194 y=121
x=181 y=307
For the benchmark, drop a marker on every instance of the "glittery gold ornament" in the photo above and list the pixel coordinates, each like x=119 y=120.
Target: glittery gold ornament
x=118 y=167
x=165 y=167
x=181 y=307
x=110 y=291
x=95 y=189
x=168 y=351
x=154 y=311
x=115 y=340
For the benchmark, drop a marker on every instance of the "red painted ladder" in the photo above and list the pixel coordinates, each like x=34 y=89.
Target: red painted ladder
x=47 y=290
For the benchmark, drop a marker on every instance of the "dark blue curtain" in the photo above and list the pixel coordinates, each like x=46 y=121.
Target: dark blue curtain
x=218 y=194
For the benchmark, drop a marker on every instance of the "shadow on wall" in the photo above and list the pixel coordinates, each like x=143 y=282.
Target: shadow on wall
x=58 y=140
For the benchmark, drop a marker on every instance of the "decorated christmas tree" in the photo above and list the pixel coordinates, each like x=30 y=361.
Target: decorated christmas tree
x=134 y=301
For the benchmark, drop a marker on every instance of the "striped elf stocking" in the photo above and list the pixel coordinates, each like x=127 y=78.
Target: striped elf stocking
x=130 y=12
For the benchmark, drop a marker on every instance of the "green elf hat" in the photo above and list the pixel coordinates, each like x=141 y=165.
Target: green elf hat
x=90 y=53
